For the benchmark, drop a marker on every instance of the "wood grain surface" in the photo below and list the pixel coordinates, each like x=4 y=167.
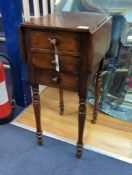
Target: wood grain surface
x=109 y=134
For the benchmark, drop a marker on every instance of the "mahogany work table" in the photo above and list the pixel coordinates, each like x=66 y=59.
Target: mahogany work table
x=64 y=50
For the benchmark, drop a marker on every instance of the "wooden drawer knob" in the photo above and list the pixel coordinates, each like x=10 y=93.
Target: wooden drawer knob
x=53 y=41
x=55 y=79
x=53 y=62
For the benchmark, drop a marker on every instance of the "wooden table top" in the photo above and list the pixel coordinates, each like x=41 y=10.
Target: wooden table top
x=77 y=22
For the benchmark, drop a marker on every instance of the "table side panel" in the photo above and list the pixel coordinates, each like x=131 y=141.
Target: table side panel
x=101 y=43
x=22 y=43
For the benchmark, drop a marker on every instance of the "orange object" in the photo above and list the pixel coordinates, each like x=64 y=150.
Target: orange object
x=5 y=104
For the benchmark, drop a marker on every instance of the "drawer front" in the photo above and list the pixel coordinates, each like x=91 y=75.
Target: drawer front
x=54 y=79
x=65 y=41
x=45 y=60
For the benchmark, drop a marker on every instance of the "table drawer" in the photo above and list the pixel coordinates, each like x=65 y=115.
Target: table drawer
x=55 y=79
x=46 y=60
x=65 y=41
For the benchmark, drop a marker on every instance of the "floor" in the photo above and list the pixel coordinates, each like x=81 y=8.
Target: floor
x=109 y=135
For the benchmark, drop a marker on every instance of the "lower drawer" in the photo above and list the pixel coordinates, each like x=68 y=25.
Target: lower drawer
x=44 y=60
x=55 y=79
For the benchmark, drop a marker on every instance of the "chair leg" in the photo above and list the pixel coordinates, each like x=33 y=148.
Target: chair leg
x=97 y=92
x=61 y=101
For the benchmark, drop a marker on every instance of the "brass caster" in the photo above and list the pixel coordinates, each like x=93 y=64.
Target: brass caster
x=61 y=112
x=79 y=150
x=40 y=142
x=93 y=121
x=79 y=154
x=39 y=137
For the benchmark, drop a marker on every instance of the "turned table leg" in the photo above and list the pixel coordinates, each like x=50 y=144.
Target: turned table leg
x=81 y=123
x=36 y=106
x=61 y=101
x=97 y=93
